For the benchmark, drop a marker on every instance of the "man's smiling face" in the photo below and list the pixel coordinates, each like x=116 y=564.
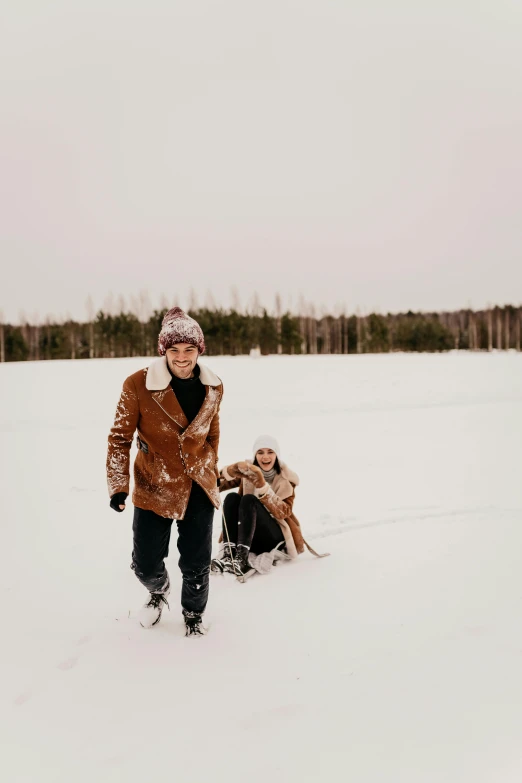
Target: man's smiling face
x=181 y=359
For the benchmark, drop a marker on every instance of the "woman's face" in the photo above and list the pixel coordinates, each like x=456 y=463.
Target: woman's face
x=266 y=458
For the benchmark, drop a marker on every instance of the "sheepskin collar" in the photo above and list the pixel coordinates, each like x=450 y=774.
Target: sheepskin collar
x=289 y=474
x=158 y=375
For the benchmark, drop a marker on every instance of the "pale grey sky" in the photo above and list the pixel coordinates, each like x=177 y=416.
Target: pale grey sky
x=360 y=152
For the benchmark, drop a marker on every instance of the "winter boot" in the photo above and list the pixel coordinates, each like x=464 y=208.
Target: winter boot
x=224 y=564
x=193 y=624
x=150 y=613
x=240 y=562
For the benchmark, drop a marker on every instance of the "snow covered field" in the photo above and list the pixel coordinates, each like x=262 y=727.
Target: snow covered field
x=396 y=660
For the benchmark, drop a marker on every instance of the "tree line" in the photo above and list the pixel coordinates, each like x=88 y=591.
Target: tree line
x=230 y=332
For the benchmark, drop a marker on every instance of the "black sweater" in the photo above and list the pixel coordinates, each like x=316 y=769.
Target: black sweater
x=190 y=393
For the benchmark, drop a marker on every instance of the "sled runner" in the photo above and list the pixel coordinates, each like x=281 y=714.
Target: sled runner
x=260 y=564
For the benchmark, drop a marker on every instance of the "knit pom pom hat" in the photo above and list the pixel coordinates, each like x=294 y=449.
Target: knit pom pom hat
x=178 y=327
x=266 y=442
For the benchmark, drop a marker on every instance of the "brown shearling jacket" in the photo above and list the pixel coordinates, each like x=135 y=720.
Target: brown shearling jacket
x=172 y=453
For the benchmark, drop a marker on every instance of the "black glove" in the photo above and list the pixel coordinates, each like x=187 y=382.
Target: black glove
x=118 y=500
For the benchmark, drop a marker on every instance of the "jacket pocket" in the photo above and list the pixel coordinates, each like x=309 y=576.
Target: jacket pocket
x=142 y=446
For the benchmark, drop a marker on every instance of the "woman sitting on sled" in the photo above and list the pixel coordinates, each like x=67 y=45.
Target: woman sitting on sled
x=258 y=518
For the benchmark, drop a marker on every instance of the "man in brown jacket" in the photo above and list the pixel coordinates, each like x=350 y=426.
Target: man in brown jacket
x=174 y=406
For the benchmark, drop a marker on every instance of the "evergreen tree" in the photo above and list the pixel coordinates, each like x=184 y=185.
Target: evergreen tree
x=16 y=348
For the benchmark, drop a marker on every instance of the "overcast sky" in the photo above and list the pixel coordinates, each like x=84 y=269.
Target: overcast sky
x=359 y=153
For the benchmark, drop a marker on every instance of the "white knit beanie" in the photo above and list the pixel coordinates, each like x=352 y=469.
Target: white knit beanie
x=266 y=442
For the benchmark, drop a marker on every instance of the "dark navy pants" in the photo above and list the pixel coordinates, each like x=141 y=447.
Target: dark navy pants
x=151 y=535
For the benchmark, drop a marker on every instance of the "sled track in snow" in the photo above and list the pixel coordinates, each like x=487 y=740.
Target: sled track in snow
x=457 y=513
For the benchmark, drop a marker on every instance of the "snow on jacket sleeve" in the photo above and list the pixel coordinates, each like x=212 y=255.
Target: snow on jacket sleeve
x=120 y=439
x=280 y=509
x=213 y=434
x=226 y=484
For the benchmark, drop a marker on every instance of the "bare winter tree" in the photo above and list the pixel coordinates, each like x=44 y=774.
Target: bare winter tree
x=517 y=329
x=278 y=314
x=135 y=309
x=255 y=305
x=507 y=335
x=303 y=334
x=235 y=302
x=48 y=321
x=302 y=325
x=462 y=323
x=145 y=312
x=108 y=304
x=2 y=337
x=325 y=334
x=193 y=300
x=35 y=336
x=312 y=330
x=490 y=329
x=344 y=332
x=453 y=323
x=339 y=329
x=89 y=306
x=472 y=327
x=499 y=329
x=359 y=330
x=210 y=302
x=72 y=335
x=25 y=329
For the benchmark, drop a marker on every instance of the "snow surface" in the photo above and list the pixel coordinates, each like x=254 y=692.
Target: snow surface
x=398 y=659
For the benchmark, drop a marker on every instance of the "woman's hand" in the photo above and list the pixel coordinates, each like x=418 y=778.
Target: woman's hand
x=253 y=473
x=231 y=472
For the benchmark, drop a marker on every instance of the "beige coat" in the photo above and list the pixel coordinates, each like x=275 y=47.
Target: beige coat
x=278 y=501
x=172 y=453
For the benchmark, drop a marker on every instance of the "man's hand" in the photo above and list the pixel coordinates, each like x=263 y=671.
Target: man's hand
x=118 y=501
x=253 y=473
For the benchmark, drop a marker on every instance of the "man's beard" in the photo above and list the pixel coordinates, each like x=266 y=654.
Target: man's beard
x=182 y=372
